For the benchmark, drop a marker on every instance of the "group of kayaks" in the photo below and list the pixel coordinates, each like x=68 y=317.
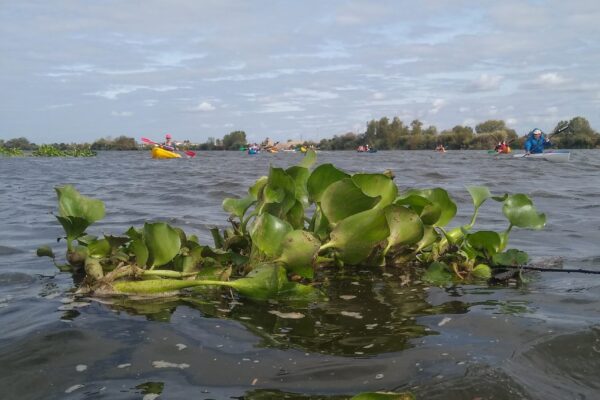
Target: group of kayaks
x=552 y=155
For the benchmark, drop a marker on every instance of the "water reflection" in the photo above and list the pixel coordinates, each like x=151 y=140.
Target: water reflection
x=369 y=312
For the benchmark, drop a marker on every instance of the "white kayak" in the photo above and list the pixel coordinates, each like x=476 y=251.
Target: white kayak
x=551 y=155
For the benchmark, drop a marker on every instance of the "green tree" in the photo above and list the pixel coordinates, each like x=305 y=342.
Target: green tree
x=234 y=140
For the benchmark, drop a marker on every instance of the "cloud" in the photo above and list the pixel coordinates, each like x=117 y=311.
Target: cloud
x=56 y=106
x=310 y=94
x=437 y=106
x=172 y=59
x=485 y=82
x=550 y=79
x=114 y=91
x=204 y=106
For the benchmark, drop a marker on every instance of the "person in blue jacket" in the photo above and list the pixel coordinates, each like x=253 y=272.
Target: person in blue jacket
x=536 y=142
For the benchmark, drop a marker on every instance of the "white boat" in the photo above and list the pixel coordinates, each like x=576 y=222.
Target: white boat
x=551 y=155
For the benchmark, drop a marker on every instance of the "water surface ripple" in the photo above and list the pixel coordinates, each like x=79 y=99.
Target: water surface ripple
x=536 y=341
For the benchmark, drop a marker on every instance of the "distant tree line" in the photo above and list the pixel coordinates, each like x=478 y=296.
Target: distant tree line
x=396 y=135
x=382 y=134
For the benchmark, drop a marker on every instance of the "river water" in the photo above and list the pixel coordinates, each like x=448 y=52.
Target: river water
x=539 y=340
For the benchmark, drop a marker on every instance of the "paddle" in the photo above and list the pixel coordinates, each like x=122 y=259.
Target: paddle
x=188 y=153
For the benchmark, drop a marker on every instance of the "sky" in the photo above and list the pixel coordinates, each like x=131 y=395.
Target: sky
x=77 y=71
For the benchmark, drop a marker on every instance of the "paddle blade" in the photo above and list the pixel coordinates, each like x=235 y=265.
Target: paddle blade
x=190 y=153
x=146 y=140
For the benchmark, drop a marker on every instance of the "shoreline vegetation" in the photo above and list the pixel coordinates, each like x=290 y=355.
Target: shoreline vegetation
x=382 y=134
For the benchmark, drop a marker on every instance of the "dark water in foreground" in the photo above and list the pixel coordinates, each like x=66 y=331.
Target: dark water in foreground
x=536 y=341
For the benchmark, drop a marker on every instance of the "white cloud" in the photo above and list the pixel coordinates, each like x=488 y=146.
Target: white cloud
x=310 y=94
x=550 y=79
x=378 y=96
x=204 y=106
x=55 y=106
x=437 y=105
x=279 y=107
x=486 y=82
x=114 y=91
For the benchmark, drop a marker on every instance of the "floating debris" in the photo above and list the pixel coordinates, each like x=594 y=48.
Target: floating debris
x=444 y=321
x=80 y=367
x=124 y=365
x=347 y=297
x=166 y=364
x=180 y=346
x=290 y=315
x=73 y=388
x=352 y=314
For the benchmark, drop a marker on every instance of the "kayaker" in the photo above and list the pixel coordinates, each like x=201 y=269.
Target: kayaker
x=536 y=142
x=168 y=144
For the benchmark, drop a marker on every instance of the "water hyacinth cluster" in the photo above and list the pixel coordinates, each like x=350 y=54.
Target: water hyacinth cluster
x=10 y=152
x=291 y=223
x=47 y=150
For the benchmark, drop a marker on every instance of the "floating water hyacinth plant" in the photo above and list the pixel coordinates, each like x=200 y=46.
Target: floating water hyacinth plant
x=291 y=223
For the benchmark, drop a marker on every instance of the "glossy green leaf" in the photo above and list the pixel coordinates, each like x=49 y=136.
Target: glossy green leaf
x=298 y=252
x=511 y=258
x=140 y=251
x=163 y=243
x=99 y=248
x=375 y=185
x=256 y=189
x=486 y=242
x=479 y=194
x=440 y=198
x=134 y=233
x=520 y=211
x=356 y=236
x=267 y=233
x=238 y=207
x=73 y=204
x=296 y=216
x=309 y=159
x=343 y=199
x=430 y=236
x=74 y=227
x=300 y=176
x=482 y=271
x=405 y=226
x=323 y=176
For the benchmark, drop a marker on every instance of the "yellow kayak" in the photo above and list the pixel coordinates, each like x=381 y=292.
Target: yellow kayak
x=158 y=152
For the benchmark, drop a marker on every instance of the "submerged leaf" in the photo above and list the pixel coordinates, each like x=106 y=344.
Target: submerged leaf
x=438 y=273
x=511 y=258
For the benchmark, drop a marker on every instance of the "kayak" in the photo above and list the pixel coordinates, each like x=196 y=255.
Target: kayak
x=252 y=151
x=158 y=152
x=551 y=155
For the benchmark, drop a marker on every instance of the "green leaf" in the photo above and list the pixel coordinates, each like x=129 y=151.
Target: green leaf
x=482 y=271
x=309 y=159
x=438 y=273
x=238 y=207
x=479 y=194
x=72 y=204
x=405 y=226
x=45 y=251
x=99 y=248
x=74 y=227
x=300 y=176
x=520 y=211
x=511 y=258
x=323 y=176
x=298 y=251
x=486 y=242
x=375 y=185
x=343 y=198
x=140 y=251
x=439 y=199
x=356 y=236
x=256 y=189
x=162 y=241
x=267 y=233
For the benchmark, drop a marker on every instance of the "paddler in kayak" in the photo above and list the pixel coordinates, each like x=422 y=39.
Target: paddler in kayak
x=168 y=144
x=536 y=142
